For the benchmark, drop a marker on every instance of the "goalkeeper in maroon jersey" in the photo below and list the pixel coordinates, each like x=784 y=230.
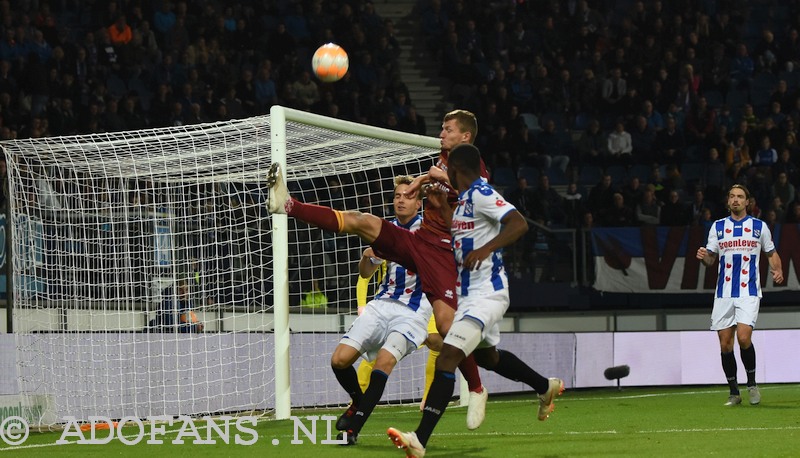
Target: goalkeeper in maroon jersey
x=428 y=251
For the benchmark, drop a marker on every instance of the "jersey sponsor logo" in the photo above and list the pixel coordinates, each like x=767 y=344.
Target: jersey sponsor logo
x=739 y=243
x=463 y=225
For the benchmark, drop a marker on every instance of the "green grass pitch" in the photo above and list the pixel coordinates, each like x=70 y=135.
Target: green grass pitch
x=674 y=421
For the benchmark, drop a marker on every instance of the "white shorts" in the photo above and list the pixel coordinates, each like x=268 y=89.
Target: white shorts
x=731 y=310
x=381 y=317
x=487 y=311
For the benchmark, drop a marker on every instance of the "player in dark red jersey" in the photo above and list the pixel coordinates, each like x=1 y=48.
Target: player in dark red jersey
x=427 y=251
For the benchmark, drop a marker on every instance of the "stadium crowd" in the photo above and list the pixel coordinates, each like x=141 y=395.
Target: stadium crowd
x=591 y=112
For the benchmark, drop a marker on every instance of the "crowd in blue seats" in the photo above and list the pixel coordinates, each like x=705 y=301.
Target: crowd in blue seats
x=638 y=111
x=71 y=67
x=603 y=101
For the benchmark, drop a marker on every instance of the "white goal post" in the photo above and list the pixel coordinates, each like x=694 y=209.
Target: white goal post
x=149 y=279
x=281 y=117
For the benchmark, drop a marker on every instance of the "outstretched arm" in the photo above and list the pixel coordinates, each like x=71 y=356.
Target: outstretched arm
x=514 y=227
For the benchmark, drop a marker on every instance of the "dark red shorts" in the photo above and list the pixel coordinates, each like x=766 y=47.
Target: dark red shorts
x=423 y=253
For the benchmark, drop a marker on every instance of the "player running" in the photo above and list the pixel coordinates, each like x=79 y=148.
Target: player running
x=427 y=252
x=483 y=223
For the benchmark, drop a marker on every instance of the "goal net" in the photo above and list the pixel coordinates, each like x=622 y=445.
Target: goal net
x=149 y=279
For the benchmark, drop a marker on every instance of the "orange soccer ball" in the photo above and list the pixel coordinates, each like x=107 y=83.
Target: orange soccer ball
x=330 y=62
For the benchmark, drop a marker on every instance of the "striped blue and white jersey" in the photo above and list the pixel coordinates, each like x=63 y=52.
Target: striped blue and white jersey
x=476 y=221
x=401 y=284
x=739 y=245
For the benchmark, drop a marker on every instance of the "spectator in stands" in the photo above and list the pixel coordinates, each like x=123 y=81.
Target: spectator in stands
x=654 y=119
x=742 y=68
x=642 y=139
x=601 y=196
x=554 y=150
x=670 y=143
x=793 y=216
x=791 y=144
x=674 y=212
x=306 y=90
x=522 y=89
x=719 y=141
x=766 y=156
x=565 y=98
x=700 y=123
x=785 y=165
x=737 y=158
x=713 y=176
x=593 y=145
x=766 y=52
x=782 y=95
x=614 y=89
x=633 y=191
x=266 y=92
x=778 y=208
x=685 y=99
x=619 y=215
x=725 y=119
x=717 y=74
x=782 y=189
x=620 y=145
x=549 y=202
x=573 y=206
x=648 y=211
x=770 y=129
x=771 y=218
x=413 y=122
x=753 y=207
x=588 y=90
x=524 y=199
x=698 y=206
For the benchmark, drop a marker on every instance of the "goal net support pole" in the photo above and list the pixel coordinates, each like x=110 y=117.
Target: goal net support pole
x=279 y=116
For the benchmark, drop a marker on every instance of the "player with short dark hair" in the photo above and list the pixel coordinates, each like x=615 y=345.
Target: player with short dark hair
x=482 y=224
x=738 y=240
x=427 y=252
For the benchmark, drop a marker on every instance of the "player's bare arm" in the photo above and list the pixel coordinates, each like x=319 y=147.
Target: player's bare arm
x=775 y=266
x=705 y=256
x=368 y=263
x=434 y=174
x=514 y=227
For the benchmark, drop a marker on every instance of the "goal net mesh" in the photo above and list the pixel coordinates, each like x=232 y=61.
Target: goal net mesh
x=143 y=267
